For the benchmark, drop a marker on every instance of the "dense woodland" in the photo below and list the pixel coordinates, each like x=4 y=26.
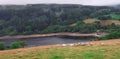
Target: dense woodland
x=52 y=18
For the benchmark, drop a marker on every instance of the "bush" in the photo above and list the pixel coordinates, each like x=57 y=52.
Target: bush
x=2 y=45
x=15 y=45
x=114 y=35
x=102 y=38
x=22 y=43
x=104 y=17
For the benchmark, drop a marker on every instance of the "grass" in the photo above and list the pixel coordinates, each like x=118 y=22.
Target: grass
x=109 y=22
x=114 y=16
x=76 y=52
x=89 y=21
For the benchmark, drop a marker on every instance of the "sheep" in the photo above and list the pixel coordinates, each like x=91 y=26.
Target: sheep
x=71 y=44
x=64 y=45
x=82 y=44
x=102 y=43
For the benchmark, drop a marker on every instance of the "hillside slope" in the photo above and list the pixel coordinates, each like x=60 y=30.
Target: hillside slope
x=108 y=49
x=51 y=18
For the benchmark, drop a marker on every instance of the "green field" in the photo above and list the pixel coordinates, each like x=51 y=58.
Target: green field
x=78 y=52
x=114 y=16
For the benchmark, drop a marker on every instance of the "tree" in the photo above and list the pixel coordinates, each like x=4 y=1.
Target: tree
x=33 y=19
x=2 y=45
x=113 y=35
x=104 y=17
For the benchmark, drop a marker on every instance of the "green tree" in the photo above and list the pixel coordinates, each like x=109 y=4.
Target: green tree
x=104 y=17
x=113 y=35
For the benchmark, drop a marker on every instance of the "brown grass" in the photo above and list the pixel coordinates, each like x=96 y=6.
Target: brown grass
x=89 y=21
x=109 y=22
x=103 y=22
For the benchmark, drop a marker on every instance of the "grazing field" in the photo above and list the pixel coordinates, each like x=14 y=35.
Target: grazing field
x=99 y=50
x=114 y=16
x=109 y=22
x=103 y=22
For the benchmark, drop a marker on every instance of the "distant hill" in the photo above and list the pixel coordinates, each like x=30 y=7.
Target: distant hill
x=49 y=18
x=16 y=7
x=116 y=6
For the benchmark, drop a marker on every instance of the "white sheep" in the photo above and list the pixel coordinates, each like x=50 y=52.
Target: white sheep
x=64 y=45
x=71 y=44
x=102 y=43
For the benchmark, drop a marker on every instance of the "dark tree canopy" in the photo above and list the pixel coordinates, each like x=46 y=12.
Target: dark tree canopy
x=47 y=18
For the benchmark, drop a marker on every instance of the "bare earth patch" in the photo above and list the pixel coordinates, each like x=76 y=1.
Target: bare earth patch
x=90 y=21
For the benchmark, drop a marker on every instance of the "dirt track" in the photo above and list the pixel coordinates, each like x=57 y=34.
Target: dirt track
x=50 y=35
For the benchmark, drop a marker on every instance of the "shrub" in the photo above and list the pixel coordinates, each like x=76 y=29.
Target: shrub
x=2 y=45
x=22 y=43
x=114 y=35
x=102 y=38
x=15 y=45
x=104 y=17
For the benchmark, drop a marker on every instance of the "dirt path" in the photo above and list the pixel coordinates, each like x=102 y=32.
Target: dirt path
x=50 y=35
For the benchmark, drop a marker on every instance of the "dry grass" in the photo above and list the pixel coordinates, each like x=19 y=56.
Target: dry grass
x=103 y=22
x=89 y=21
x=109 y=22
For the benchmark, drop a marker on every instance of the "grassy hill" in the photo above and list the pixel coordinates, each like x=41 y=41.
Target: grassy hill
x=49 y=18
x=109 y=50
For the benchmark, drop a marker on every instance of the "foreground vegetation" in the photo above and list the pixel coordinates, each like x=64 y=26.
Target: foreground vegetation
x=110 y=51
x=13 y=45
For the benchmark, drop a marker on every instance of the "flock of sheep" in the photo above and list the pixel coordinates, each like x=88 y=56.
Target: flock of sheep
x=80 y=44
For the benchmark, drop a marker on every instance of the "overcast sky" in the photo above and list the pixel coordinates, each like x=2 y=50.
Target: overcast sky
x=84 y=2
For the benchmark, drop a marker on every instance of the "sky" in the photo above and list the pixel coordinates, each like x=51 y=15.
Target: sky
x=83 y=2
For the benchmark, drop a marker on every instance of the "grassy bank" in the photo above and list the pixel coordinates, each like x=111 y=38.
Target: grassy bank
x=110 y=50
